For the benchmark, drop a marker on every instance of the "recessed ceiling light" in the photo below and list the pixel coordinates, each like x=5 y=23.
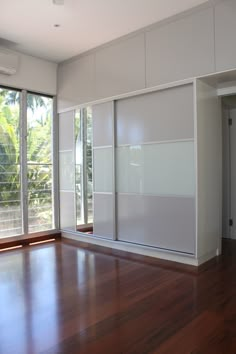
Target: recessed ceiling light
x=58 y=2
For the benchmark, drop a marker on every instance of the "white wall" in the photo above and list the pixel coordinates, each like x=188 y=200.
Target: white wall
x=209 y=171
x=33 y=74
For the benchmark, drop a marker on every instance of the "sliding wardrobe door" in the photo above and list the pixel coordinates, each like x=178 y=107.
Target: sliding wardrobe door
x=67 y=171
x=155 y=175
x=103 y=170
x=84 y=169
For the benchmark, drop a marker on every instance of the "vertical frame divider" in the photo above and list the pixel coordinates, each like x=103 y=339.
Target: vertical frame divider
x=229 y=182
x=75 y=166
x=82 y=165
x=55 y=163
x=114 y=201
x=85 y=187
x=195 y=117
x=23 y=160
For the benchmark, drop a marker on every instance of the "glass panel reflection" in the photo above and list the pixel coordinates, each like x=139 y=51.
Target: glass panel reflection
x=84 y=170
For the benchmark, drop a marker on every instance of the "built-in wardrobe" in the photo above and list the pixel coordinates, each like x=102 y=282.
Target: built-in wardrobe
x=147 y=168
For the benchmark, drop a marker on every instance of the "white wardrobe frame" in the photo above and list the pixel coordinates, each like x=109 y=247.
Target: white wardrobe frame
x=207 y=245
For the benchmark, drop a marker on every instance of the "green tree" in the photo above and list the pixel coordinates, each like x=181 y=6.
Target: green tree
x=12 y=98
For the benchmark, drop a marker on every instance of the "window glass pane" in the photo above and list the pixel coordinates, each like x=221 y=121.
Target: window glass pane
x=78 y=169
x=10 y=188
x=79 y=210
x=39 y=129
x=40 y=197
x=84 y=169
x=89 y=161
x=39 y=163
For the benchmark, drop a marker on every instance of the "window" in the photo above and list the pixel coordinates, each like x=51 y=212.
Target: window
x=26 y=163
x=10 y=169
x=39 y=162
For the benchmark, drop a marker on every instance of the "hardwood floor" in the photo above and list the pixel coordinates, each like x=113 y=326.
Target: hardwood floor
x=57 y=298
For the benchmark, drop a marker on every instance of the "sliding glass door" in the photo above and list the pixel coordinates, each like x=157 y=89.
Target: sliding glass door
x=10 y=166
x=26 y=163
x=39 y=163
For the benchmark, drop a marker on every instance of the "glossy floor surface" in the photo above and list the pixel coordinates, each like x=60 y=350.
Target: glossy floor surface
x=57 y=298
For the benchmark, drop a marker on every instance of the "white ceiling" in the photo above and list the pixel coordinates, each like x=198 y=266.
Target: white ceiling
x=28 y=25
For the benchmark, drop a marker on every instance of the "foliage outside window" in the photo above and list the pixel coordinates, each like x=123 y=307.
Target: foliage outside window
x=38 y=163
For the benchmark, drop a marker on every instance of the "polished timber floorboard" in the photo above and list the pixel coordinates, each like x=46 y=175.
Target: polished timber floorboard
x=58 y=298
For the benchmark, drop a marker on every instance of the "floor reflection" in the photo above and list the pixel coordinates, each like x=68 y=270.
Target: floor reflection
x=57 y=298
x=28 y=300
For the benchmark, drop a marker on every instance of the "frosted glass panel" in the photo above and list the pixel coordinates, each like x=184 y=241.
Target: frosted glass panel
x=157 y=169
x=158 y=116
x=66 y=127
x=102 y=161
x=102 y=124
x=165 y=222
x=103 y=215
x=67 y=210
x=67 y=170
